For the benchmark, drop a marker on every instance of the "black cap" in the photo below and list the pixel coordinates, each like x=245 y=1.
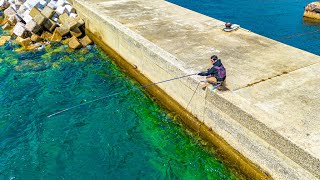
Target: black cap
x=214 y=57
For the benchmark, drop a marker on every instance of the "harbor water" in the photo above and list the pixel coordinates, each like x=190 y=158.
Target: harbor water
x=279 y=20
x=128 y=136
x=122 y=137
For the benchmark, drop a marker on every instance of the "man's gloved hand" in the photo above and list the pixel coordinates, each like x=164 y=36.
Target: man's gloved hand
x=201 y=74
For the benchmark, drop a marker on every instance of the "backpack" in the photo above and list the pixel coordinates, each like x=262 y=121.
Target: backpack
x=221 y=72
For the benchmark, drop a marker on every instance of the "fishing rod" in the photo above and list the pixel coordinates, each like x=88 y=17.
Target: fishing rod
x=121 y=92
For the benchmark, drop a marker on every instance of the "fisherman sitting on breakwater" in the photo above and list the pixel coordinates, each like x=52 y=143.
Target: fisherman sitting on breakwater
x=216 y=74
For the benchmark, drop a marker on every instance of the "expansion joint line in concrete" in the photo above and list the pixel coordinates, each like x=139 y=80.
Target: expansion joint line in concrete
x=275 y=76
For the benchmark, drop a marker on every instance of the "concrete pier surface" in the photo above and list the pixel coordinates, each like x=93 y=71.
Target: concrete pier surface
x=270 y=113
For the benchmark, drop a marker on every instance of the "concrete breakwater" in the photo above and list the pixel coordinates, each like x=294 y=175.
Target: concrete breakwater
x=269 y=114
x=34 y=23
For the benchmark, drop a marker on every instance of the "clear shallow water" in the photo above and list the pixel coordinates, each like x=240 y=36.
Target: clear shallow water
x=276 y=19
x=123 y=137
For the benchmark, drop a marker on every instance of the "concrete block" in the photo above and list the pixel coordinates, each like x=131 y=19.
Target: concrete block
x=41 y=4
x=34 y=12
x=74 y=43
x=32 y=26
x=50 y=25
x=76 y=32
x=25 y=42
x=56 y=37
x=71 y=23
x=63 y=18
x=14 y=7
x=70 y=9
x=40 y=19
x=19 y=2
x=4 y=21
x=60 y=10
x=19 y=30
x=26 y=16
x=6 y=26
x=35 y=38
x=85 y=41
x=52 y=5
x=4 y=4
x=31 y=47
x=12 y=20
x=63 y=30
x=9 y=11
x=61 y=3
x=48 y=12
x=22 y=9
x=55 y=20
x=80 y=21
x=32 y=3
x=73 y=15
x=46 y=35
x=19 y=18
x=55 y=16
x=10 y=31
x=66 y=41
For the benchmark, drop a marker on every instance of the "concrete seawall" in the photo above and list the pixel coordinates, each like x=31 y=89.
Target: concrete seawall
x=270 y=113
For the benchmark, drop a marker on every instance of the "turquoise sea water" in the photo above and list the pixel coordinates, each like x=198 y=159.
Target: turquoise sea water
x=123 y=137
x=276 y=19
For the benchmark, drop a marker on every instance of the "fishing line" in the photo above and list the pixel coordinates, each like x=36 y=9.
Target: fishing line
x=286 y=37
x=121 y=92
x=193 y=94
x=297 y=35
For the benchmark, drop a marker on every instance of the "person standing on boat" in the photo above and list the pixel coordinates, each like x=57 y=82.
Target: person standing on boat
x=216 y=74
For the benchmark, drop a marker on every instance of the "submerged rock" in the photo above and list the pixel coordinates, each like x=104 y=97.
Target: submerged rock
x=4 y=39
x=28 y=48
x=312 y=10
x=28 y=65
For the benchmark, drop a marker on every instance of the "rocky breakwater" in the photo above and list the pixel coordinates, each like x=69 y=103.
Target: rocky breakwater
x=35 y=23
x=312 y=10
